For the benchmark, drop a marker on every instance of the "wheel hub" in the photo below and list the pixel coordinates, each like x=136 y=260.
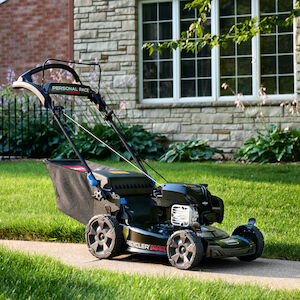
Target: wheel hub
x=182 y=249
x=100 y=235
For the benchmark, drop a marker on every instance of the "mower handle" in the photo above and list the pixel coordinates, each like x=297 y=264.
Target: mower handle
x=27 y=75
x=43 y=94
x=25 y=81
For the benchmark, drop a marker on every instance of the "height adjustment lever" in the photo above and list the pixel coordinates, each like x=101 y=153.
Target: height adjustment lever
x=94 y=182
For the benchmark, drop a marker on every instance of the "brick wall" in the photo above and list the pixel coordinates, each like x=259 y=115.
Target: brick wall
x=108 y=30
x=33 y=30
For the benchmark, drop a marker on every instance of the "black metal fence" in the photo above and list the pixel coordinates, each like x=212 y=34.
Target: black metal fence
x=26 y=128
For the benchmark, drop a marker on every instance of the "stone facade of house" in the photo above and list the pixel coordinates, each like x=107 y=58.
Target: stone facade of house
x=108 y=31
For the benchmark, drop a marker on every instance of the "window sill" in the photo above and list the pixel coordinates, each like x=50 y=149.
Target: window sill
x=220 y=103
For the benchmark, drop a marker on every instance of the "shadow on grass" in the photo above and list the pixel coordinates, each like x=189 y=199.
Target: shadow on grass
x=274 y=249
x=38 y=234
x=286 y=173
x=23 y=168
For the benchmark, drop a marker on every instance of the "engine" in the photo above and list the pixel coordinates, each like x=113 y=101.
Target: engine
x=190 y=203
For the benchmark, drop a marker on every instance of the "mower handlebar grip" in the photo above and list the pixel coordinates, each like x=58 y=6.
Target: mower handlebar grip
x=32 y=87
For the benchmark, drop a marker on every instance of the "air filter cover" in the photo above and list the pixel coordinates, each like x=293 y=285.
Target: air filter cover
x=184 y=215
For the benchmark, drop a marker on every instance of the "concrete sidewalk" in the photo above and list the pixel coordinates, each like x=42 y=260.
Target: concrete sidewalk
x=274 y=273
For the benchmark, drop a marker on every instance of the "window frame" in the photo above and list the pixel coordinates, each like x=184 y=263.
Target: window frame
x=215 y=59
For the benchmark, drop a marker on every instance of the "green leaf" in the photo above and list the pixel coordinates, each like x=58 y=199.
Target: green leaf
x=172 y=158
x=296 y=12
x=194 y=149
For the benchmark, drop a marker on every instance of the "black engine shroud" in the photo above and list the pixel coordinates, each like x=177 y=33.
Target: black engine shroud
x=210 y=208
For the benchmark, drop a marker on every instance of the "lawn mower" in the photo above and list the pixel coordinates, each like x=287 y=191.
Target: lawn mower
x=126 y=211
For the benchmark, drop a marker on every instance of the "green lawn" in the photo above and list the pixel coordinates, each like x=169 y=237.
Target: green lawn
x=270 y=193
x=24 y=276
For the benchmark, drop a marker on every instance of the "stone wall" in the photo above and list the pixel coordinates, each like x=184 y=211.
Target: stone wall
x=224 y=125
x=107 y=30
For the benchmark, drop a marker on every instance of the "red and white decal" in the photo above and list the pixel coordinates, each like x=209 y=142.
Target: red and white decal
x=76 y=168
x=158 y=248
x=72 y=92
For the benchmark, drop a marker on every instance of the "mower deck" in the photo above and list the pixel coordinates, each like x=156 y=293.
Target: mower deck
x=217 y=243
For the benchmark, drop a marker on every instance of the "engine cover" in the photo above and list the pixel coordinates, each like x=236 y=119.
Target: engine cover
x=194 y=195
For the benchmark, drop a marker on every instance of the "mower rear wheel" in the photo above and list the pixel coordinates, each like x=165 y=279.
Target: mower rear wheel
x=184 y=249
x=104 y=236
x=253 y=234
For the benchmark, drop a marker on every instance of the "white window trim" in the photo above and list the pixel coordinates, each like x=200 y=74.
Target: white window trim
x=215 y=60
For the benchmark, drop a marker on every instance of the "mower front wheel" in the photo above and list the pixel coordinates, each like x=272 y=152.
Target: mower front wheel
x=253 y=234
x=184 y=249
x=104 y=236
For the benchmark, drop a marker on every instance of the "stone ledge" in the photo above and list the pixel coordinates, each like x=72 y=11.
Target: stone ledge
x=203 y=104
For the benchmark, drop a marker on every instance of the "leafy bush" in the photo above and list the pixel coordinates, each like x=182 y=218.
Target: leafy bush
x=21 y=136
x=144 y=143
x=194 y=149
x=277 y=145
x=33 y=139
x=24 y=128
x=41 y=139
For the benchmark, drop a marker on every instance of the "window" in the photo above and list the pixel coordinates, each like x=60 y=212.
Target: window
x=267 y=60
x=277 y=72
x=157 y=68
x=196 y=75
x=235 y=60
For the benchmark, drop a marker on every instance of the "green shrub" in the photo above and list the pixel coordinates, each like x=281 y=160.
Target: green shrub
x=277 y=145
x=21 y=135
x=144 y=143
x=31 y=139
x=26 y=129
x=192 y=150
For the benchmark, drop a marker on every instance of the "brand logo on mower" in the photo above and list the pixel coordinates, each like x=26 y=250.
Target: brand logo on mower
x=146 y=246
x=64 y=88
x=138 y=245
